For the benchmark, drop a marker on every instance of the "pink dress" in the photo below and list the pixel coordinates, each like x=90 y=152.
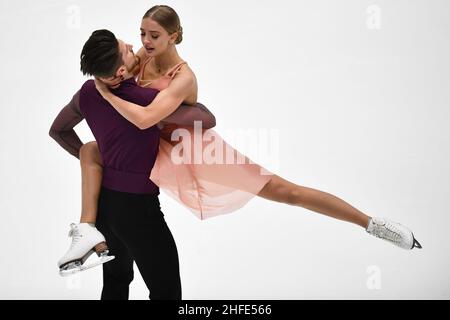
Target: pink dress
x=206 y=189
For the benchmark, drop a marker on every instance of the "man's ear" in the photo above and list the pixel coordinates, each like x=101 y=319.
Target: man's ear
x=121 y=71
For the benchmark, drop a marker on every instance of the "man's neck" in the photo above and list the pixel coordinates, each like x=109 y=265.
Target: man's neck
x=126 y=77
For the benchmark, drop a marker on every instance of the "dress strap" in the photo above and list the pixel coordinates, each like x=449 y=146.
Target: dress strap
x=171 y=73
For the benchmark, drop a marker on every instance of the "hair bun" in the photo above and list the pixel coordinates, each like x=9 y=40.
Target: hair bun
x=180 y=35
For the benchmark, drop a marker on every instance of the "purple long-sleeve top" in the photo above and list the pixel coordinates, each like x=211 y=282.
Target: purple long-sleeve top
x=128 y=153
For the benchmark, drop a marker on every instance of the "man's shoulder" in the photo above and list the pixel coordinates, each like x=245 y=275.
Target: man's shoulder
x=88 y=85
x=87 y=92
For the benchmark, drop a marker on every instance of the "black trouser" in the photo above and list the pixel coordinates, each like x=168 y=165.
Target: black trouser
x=135 y=230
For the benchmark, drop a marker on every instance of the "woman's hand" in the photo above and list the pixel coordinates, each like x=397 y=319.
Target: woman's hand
x=103 y=86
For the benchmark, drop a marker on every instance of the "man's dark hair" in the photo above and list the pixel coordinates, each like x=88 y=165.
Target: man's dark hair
x=101 y=55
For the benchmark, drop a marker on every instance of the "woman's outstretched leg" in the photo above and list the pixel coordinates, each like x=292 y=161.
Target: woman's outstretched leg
x=91 y=178
x=281 y=190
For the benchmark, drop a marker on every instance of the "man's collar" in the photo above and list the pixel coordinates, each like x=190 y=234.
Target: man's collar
x=126 y=83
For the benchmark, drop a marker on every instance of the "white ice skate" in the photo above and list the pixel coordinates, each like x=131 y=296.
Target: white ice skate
x=393 y=232
x=85 y=240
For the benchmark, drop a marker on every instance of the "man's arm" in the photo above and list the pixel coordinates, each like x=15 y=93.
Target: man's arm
x=62 y=127
x=185 y=115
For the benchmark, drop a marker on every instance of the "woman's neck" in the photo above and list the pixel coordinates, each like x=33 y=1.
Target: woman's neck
x=166 y=60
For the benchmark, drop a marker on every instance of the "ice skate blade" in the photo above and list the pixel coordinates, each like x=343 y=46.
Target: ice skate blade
x=76 y=269
x=416 y=244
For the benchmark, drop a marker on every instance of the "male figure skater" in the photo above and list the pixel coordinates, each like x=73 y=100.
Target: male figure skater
x=129 y=212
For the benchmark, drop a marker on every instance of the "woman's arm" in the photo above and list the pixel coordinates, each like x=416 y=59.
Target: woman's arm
x=165 y=103
x=186 y=115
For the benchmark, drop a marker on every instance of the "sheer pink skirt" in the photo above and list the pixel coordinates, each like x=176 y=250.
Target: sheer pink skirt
x=207 y=188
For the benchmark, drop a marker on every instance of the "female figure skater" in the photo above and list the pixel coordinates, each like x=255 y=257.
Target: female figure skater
x=208 y=189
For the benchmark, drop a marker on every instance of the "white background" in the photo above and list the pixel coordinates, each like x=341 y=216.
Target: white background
x=362 y=113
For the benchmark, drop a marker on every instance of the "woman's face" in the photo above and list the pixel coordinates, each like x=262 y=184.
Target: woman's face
x=155 y=38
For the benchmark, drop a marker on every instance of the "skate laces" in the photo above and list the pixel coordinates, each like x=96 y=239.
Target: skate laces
x=75 y=234
x=388 y=231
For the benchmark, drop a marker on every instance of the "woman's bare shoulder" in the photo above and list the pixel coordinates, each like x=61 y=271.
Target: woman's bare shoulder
x=188 y=72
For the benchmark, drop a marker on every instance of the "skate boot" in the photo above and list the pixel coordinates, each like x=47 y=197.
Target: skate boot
x=85 y=240
x=393 y=232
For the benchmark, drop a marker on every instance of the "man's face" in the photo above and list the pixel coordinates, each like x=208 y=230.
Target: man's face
x=128 y=56
x=125 y=71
